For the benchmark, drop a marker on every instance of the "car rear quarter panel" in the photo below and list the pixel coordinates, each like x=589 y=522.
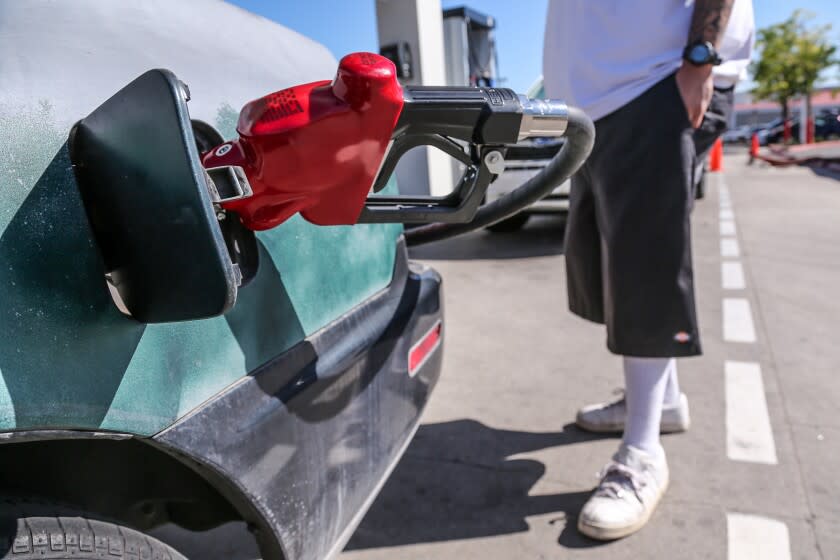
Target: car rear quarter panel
x=68 y=357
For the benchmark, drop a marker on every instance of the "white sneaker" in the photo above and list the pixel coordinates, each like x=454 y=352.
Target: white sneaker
x=630 y=488
x=610 y=417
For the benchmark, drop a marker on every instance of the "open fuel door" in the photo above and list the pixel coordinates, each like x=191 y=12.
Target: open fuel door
x=152 y=205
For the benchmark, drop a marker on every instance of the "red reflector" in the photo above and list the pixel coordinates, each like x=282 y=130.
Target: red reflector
x=423 y=348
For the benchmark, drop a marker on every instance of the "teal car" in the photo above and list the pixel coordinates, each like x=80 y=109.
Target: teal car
x=287 y=412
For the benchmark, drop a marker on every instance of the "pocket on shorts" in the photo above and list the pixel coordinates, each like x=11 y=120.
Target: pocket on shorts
x=717 y=115
x=682 y=111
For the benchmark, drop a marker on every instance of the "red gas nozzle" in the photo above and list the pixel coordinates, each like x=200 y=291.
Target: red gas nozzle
x=321 y=148
x=315 y=148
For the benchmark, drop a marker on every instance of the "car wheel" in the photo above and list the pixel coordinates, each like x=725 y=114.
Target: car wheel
x=514 y=223
x=78 y=538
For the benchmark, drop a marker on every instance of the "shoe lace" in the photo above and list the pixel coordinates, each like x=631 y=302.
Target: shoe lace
x=617 y=478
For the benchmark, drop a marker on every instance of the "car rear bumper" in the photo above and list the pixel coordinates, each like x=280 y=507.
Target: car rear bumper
x=302 y=445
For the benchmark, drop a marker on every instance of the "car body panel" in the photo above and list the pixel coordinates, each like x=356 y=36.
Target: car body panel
x=69 y=359
x=309 y=437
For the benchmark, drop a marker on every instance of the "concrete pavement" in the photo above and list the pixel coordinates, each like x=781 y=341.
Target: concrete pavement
x=498 y=470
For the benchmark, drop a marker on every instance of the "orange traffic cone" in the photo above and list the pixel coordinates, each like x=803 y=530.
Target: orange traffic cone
x=716 y=156
x=754 y=148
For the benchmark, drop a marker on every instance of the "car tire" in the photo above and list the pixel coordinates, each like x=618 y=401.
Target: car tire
x=77 y=538
x=514 y=223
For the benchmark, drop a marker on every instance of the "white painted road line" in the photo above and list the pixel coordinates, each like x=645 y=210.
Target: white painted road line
x=749 y=436
x=726 y=214
x=752 y=537
x=737 y=320
x=729 y=248
x=727 y=227
x=732 y=275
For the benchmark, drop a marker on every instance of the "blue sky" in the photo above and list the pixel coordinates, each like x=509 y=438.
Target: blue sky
x=350 y=25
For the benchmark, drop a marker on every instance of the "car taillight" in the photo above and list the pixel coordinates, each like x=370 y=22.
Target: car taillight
x=423 y=348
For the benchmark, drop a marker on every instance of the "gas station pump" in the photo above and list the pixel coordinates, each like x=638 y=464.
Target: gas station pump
x=175 y=227
x=470 y=48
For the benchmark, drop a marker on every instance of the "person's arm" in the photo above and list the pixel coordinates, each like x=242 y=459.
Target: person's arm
x=709 y=20
x=708 y=23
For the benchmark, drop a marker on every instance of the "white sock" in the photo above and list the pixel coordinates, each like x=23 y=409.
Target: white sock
x=672 y=389
x=645 y=380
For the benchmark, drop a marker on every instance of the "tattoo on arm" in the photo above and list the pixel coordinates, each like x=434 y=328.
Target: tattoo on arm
x=709 y=20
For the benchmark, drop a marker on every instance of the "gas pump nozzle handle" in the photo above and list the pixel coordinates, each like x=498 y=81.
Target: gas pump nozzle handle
x=321 y=148
x=487 y=119
x=479 y=115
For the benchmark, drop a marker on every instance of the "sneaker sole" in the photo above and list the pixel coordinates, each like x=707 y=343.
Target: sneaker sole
x=619 y=428
x=613 y=533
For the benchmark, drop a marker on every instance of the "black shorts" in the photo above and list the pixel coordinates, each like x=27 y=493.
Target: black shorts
x=628 y=237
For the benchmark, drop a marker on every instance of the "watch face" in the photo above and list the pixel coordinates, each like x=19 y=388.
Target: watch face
x=699 y=53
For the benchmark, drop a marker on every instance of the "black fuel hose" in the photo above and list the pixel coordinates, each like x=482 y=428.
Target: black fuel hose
x=580 y=137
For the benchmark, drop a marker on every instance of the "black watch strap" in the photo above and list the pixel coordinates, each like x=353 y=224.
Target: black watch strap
x=700 y=53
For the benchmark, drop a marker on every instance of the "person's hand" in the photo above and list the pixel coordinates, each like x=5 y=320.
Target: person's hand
x=696 y=87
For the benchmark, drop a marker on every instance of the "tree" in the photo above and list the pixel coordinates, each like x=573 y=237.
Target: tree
x=791 y=56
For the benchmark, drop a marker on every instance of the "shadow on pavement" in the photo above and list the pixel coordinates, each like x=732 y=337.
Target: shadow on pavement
x=457 y=481
x=823 y=171
x=231 y=541
x=542 y=236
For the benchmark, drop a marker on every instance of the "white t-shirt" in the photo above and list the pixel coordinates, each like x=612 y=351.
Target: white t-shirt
x=601 y=54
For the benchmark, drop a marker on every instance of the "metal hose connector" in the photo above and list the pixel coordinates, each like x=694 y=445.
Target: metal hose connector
x=542 y=117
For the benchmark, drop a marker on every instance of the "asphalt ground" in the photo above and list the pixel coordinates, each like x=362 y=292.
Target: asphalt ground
x=498 y=470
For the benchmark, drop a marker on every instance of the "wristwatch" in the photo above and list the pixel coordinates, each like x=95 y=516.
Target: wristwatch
x=701 y=53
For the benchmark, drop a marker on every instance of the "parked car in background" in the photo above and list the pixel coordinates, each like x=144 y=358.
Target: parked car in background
x=523 y=161
x=827 y=126
x=773 y=132
x=739 y=135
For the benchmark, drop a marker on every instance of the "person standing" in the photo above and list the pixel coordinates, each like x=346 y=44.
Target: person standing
x=645 y=71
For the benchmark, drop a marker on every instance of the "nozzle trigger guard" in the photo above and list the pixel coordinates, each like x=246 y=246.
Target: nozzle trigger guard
x=460 y=206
